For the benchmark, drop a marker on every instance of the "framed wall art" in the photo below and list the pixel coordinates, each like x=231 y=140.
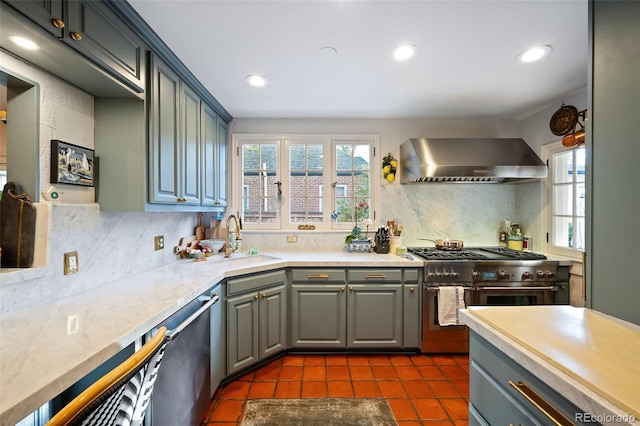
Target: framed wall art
x=71 y=164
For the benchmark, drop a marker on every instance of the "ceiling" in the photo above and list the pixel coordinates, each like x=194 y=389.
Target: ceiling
x=465 y=64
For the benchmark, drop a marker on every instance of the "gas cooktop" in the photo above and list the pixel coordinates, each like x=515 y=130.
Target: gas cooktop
x=475 y=253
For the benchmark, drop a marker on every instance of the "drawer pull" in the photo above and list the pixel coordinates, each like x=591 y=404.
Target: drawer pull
x=325 y=276
x=367 y=276
x=545 y=408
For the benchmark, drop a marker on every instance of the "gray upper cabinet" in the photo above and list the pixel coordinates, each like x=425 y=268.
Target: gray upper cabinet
x=97 y=32
x=214 y=159
x=187 y=145
x=190 y=145
x=164 y=134
x=46 y=13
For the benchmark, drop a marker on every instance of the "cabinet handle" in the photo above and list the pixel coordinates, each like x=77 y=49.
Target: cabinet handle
x=375 y=276
x=75 y=35
x=57 y=22
x=325 y=276
x=264 y=295
x=256 y=297
x=545 y=408
x=350 y=288
x=217 y=203
x=341 y=288
x=411 y=289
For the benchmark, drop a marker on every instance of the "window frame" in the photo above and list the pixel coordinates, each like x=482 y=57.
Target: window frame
x=548 y=151
x=284 y=141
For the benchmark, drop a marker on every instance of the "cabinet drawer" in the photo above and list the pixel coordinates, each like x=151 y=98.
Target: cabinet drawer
x=500 y=370
x=412 y=275
x=375 y=275
x=318 y=276
x=253 y=282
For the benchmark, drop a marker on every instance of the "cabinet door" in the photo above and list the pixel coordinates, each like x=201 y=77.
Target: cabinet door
x=318 y=316
x=242 y=332
x=209 y=142
x=164 y=138
x=46 y=13
x=374 y=317
x=98 y=33
x=273 y=321
x=221 y=165
x=190 y=146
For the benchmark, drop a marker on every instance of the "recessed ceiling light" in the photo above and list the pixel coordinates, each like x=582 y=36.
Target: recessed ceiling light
x=256 y=80
x=328 y=51
x=534 y=54
x=404 y=52
x=24 y=43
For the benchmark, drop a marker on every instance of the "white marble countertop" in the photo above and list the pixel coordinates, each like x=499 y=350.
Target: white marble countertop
x=47 y=348
x=592 y=359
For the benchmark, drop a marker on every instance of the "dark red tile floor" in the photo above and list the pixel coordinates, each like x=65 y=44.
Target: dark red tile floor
x=421 y=389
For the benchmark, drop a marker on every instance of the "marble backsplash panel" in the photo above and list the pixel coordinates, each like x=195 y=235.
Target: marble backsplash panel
x=110 y=246
x=469 y=212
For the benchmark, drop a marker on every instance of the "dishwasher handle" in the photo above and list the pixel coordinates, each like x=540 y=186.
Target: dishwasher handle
x=210 y=301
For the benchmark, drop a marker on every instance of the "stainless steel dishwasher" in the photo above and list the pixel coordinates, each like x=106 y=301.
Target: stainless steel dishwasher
x=183 y=391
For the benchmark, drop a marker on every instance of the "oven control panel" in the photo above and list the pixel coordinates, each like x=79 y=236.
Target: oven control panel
x=448 y=273
x=497 y=273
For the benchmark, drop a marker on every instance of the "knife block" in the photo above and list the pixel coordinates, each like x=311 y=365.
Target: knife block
x=382 y=248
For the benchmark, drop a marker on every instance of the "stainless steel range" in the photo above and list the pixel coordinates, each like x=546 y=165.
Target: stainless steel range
x=488 y=276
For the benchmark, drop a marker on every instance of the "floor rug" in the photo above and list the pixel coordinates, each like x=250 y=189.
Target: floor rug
x=322 y=411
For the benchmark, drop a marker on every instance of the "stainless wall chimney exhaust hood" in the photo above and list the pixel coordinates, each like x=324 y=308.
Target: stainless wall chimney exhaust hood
x=426 y=160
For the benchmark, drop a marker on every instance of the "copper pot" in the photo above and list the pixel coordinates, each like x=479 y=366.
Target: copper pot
x=573 y=139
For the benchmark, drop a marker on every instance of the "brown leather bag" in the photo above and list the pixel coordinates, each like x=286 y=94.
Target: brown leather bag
x=17 y=227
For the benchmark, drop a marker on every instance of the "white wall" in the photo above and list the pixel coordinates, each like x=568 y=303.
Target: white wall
x=535 y=130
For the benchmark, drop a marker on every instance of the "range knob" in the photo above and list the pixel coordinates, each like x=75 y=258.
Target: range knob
x=527 y=275
x=549 y=274
x=475 y=275
x=503 y=275
x=455 y=275
x=540 y=273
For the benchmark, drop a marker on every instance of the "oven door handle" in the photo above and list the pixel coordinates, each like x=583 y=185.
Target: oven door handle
x=546 y=288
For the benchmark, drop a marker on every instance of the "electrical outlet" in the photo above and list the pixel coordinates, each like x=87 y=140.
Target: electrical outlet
x=158 y=242
x=292 y=238
x=71 y=265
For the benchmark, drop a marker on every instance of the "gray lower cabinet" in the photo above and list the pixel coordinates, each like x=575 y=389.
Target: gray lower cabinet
x=502 y=392
x=256 y=319
x=355 y=308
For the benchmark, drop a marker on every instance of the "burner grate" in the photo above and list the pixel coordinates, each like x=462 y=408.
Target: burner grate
x=431 y=253
x=515 y=254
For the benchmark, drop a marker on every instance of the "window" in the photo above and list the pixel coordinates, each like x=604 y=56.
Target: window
x=565 y=199
x=305 y=180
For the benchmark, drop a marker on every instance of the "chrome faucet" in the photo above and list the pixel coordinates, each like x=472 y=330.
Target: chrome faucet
x=227 y=246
